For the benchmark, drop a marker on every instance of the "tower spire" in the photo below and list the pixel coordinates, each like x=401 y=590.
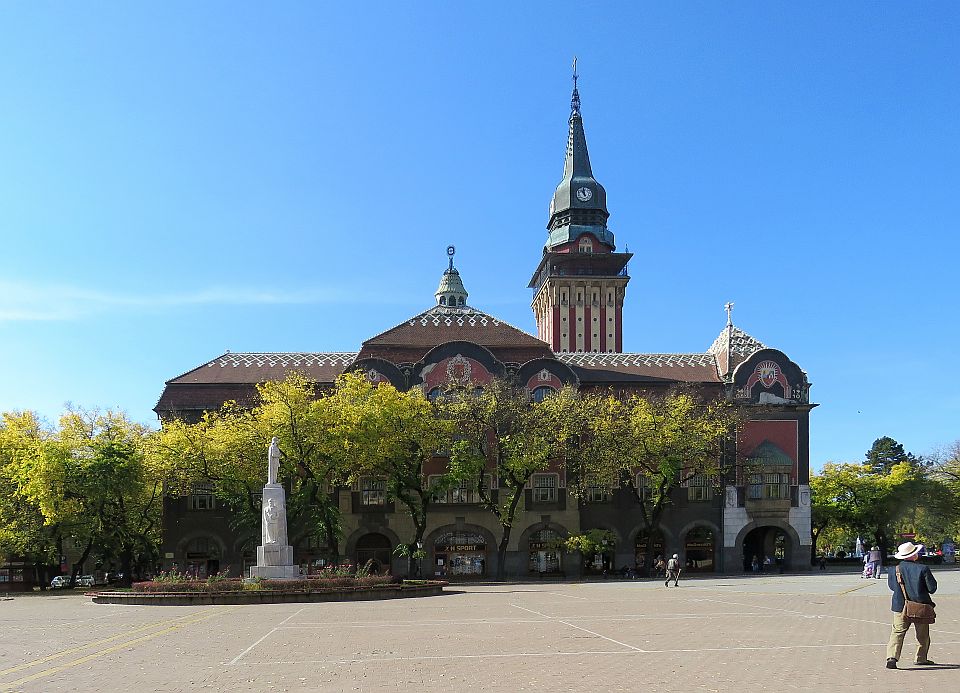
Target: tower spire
x=575 y=99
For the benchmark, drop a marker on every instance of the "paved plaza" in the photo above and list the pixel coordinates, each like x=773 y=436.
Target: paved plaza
x=820 y=632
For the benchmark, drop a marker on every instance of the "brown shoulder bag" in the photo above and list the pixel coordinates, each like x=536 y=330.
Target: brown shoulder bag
x=915 y=612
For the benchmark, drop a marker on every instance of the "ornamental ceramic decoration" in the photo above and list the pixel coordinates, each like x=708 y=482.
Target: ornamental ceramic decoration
x=584 y=194
x=767 y=373
x=459 y=370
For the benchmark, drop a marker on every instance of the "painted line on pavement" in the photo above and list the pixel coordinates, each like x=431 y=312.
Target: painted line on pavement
x=804 y=615
x=101 y=653
x=585 y=630
x=581 y=653
x=508 y=621
x=78 y=648
x=265 y=636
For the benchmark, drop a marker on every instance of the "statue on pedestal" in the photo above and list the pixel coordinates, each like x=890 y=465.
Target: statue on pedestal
x=273 y=461
x=274 y=555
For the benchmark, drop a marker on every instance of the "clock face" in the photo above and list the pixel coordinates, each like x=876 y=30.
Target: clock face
x=584 y=194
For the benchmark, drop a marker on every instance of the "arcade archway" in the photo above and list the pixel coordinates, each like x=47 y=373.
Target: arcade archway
x=766 y=548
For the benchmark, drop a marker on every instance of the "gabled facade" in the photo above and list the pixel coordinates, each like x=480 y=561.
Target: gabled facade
x=580 y=286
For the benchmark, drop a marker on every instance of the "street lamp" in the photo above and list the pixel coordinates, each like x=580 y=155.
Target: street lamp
x=419 y=559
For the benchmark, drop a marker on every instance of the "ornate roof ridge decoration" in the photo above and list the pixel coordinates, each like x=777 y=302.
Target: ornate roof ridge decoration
x=306 y=359
x=595 y=359
x=460 y=315
x=740 y=343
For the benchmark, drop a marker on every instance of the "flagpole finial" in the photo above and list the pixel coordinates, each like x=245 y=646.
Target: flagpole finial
x=575 y=99
x=728 y=306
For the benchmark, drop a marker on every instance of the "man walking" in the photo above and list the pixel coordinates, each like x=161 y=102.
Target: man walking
x=919 y=583
x=673 y=571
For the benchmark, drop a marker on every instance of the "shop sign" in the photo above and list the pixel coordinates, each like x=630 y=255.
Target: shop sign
x=196 y=554
x=454 y=548
x=543 y=546
x=700 y=545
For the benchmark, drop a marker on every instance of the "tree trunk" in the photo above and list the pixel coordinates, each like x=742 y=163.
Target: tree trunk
x=506 y=523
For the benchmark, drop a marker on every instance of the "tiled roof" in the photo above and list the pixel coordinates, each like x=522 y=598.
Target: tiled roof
x=690 y=368
x=596 y=360
x=741 y=343
x=441 y=324
x=245 y=367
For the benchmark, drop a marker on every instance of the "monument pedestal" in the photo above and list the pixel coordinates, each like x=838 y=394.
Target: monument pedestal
x=274 y=555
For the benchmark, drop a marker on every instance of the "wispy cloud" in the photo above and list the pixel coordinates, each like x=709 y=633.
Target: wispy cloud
x=48 y=302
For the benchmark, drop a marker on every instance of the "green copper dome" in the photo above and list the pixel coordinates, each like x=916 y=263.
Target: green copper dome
x=579 y=204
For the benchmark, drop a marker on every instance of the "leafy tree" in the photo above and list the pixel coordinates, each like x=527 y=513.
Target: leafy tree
x=94 y=479
x=227 y=448
x=392 y=434
x=24 y=531
x=501 y=431
x=885 y=453
x=655 y=445
x=854 y=497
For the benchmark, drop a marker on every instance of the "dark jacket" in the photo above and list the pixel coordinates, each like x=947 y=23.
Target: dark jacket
x=917 y=578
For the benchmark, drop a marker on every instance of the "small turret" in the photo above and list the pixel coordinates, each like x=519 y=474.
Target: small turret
x=451 y=292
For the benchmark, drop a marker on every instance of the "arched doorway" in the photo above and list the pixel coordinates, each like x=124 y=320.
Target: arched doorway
x=544 y=546
x=375 y=548
x=460 y=554
x=202 y=556
x=698 y=549
x=640 y=549
x=770 y=546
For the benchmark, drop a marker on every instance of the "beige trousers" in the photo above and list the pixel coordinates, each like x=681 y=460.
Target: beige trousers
x=900 y=628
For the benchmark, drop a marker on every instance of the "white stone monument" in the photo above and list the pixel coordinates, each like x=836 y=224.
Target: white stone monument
x=274 y=555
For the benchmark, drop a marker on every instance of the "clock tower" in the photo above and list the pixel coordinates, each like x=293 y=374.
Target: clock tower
x=581 y=281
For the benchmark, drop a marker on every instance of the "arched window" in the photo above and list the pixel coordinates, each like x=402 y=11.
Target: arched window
x=586 y=245
x=443 y=300
x=461 y=300
x=541 y=393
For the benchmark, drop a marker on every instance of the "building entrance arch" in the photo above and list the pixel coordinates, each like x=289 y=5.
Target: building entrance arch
x=375 y=548
x=767 y=548
x=698 y=550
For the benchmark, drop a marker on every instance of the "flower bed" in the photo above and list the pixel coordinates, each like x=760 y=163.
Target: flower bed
x=233 y=591
x=220 y=585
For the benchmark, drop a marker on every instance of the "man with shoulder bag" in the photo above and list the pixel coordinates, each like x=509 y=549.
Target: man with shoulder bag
x=912 y=584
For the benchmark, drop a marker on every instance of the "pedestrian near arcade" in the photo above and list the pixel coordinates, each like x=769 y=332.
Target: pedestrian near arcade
x=673 y=571
x=919 y=584
x=875 y=558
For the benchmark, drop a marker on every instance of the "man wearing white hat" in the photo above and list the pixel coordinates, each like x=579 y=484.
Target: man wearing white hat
x=919 y=583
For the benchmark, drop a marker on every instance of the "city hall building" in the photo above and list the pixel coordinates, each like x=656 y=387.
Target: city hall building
x=580 y=286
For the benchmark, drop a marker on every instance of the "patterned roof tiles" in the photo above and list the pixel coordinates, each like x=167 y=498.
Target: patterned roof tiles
x=598 y=360
x=296 y=359
x=442 y=324
x=741 y=343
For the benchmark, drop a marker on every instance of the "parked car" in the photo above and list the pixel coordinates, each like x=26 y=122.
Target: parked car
x=60 y=582
x=86 y=581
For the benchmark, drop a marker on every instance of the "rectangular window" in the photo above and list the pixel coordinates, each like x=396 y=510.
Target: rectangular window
x=373 y=492
x=769 y=486
x=699 y=488
x=202 y=498
x=545 y=488
x=464 y=493
x=644 y=492
x=595 y=493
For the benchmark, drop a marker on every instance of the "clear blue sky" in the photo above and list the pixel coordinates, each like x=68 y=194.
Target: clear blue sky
x=178 y=179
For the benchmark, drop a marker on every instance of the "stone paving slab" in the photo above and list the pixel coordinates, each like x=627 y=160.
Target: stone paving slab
x=822 y=631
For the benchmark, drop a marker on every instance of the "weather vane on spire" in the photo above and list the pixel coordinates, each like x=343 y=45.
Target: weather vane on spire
x=728 y=306
x=575 y=100
x=450 y=253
